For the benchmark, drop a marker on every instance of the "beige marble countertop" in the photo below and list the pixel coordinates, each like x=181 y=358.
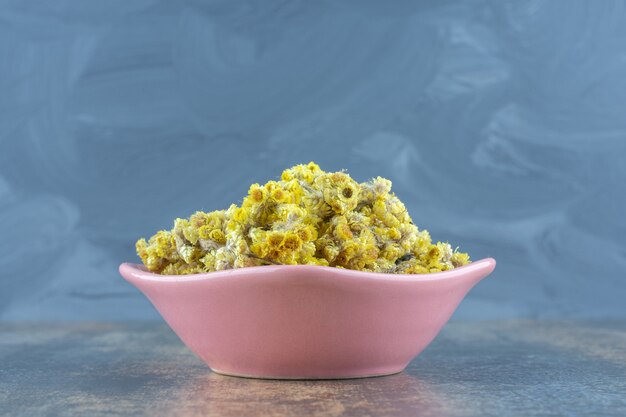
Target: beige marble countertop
x=477 y=368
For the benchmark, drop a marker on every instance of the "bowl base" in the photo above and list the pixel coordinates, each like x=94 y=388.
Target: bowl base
x=305 y=378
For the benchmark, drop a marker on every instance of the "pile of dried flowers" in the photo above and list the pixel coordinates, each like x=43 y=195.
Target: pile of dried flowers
x=308 y=217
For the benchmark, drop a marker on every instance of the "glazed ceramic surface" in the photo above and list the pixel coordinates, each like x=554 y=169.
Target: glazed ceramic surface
x=301 y=321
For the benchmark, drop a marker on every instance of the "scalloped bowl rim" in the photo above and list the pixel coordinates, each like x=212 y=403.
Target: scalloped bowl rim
x=141 y=272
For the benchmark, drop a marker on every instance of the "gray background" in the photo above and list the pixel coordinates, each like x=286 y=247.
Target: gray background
x=500 y=123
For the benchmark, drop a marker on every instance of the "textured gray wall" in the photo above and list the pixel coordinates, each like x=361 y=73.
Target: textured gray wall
x=501 y=123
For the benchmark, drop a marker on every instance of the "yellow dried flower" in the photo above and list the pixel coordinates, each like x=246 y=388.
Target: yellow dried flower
x=218 y=236
x=340 y=192
x=275 y=239
x=292 y=242
x=257 y=194
x=459 y=259
x=342 y=231
x=280 y=196
x=307 y=233
x=204 y=232
x=240 y=215
x=260 y=249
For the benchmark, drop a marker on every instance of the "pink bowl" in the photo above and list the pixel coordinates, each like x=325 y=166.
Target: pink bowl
x=307 y=322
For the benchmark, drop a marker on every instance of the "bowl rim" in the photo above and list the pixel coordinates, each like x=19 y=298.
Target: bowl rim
x=139 y=271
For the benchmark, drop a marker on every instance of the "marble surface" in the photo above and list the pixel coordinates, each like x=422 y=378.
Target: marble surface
x=500 y=122
x=477 y=368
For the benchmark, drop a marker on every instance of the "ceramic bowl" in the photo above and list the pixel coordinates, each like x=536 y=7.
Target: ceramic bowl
x=307 y=322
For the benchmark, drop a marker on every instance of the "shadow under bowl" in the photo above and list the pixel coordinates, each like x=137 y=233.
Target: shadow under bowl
x=306 y=322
